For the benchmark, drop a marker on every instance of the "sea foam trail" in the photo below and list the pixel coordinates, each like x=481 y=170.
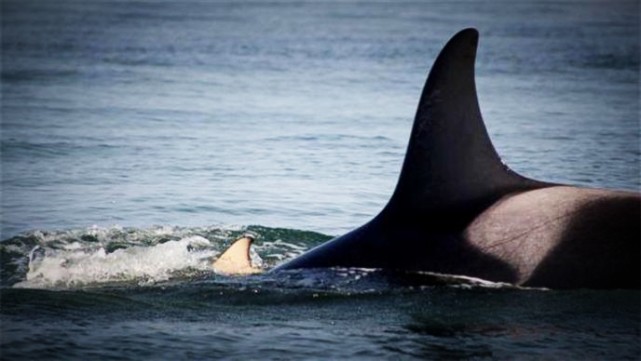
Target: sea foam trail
x=97 y=256
x=74 y=265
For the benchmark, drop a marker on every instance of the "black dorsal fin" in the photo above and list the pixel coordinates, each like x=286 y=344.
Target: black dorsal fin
x=451 y=173
x=450 y=160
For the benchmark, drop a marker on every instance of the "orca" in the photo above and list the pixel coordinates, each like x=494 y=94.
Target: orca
x=458 y=209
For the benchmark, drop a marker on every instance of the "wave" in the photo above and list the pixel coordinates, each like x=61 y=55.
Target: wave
x=182 y=257
x=100 y=256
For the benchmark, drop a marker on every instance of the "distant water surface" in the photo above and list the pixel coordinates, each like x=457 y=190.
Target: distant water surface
x=139 y=138
x=290 y=114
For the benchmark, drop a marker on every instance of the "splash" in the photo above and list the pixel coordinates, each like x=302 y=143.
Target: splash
x=75 y=265
x=163 y=256
x=103 y=256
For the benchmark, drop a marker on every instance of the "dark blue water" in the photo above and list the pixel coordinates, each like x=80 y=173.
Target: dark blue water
x=139 y=138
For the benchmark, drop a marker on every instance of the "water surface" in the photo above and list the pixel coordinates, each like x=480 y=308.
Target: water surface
x=139 y=138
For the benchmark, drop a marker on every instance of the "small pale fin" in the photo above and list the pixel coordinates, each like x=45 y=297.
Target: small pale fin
x=236 y=260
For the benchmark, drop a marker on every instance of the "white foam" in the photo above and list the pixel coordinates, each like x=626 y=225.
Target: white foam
x=286 y=250
x=75 y=265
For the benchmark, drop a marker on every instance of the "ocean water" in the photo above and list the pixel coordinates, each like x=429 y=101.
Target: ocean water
x=139 y=138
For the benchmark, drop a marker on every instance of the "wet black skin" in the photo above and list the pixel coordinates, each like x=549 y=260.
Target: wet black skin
x=458 y=209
